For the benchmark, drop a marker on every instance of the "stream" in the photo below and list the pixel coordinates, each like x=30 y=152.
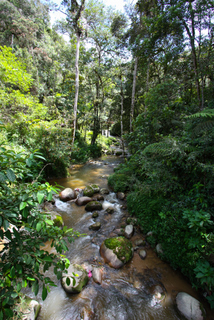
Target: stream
x=126 y=293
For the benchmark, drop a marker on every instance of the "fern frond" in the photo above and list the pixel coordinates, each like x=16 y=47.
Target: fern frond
x=164 y=148
x=203 y=114
x=203 y=126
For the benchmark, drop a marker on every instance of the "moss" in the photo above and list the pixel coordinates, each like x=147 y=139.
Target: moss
x=58 y=221
x=121 y=246
x=88 y=191
x=95 y=187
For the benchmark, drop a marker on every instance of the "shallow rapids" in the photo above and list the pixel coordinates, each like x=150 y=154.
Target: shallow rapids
x=126 y=293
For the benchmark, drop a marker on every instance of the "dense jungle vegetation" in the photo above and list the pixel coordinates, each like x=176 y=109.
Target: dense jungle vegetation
x=145 y=74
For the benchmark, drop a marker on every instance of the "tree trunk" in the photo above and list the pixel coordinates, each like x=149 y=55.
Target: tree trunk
x=76 y=87
x=133 y=93
x=121 y=114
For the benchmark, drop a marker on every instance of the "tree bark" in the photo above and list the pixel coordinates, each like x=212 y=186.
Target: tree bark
x=76 y=87
x=121 y=114
x=133 y=93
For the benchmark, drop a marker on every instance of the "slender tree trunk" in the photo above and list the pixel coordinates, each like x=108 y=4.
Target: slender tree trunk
x=133 y=93
x=121 y=114
x=76 y=87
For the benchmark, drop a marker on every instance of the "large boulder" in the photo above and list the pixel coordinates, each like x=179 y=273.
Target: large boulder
x=78 y=273
x=93 y=205
x=88 y=191
x=67 y=195
x=116 y=251
x=189 y=307
x=82 y=201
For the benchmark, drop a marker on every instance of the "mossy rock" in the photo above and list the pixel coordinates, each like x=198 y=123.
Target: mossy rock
x=27 y=307
x=132 y=221
x=80 y=275
x=121 y=246
x=58 y=221
x=88 y=191
x=95 y=187
x=93 y=205
x=95 y=214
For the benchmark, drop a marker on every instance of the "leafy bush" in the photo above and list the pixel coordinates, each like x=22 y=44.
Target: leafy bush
x=24 y=229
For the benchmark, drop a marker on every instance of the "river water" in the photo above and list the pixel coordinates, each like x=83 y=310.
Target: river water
x=126 y=293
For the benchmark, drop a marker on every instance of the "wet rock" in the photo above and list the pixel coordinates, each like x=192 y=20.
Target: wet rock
x=136 y=248
x=140 y=242
x=131 y=220
x=93 y=205
x=95 y=214
x=121 y=195
x=116 y=251
x=159 y=249
x=189 y=307
x=110 y=210
x=82 y=201
x=129 y=230
x=104 y=191
x=29 y=308
x=97 y=275
x=67 y=194
x=80 y=275
x=98 y=197
x=124 y=207
x=142 y=254
x=88 y=191
x=95 y=226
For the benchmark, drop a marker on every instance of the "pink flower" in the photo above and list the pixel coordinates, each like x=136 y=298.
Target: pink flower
x=89 y=274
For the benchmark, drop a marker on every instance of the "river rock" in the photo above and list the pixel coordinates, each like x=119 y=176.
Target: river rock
x=110 y=210
x=29 y=308
x=67 y=194
x=189 y=307
x=129 y=230
x=93 y=205
x=82 y=201
x=159 y=249
x=140 y=242
x=88 y=191
x=95 y=226
x=98 y=197
x=97 y=275
x=121 y=195
x=95 y=214
x=58 y=221
x=104 y=191
x=142 y=254
x=95 y=187
x=80 y=275
x=116 y=251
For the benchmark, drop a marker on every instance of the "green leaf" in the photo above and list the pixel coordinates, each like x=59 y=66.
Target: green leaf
x=11 y=175
x=3 y=177
x=22 y=205
x=40 y=197
x=38 y=226
x=1 y=315
x=29 y=162
x=44 y=293
x=6 y=224
x=24 y=283
x=1 y=220
x=47 y=259
x=68 y=281
x=19 y=287
x=50 y=196
x=12 y=272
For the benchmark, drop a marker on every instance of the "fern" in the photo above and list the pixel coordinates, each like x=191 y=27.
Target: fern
x=203 y=114
x=164 y=148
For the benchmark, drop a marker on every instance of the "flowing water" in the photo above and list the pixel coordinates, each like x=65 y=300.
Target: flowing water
x=126 y=293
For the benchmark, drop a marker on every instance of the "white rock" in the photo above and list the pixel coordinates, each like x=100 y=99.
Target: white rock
x=129 y=230
x=189 y=307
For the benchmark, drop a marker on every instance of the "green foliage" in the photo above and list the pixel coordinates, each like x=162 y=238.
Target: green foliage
x=25 y=229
